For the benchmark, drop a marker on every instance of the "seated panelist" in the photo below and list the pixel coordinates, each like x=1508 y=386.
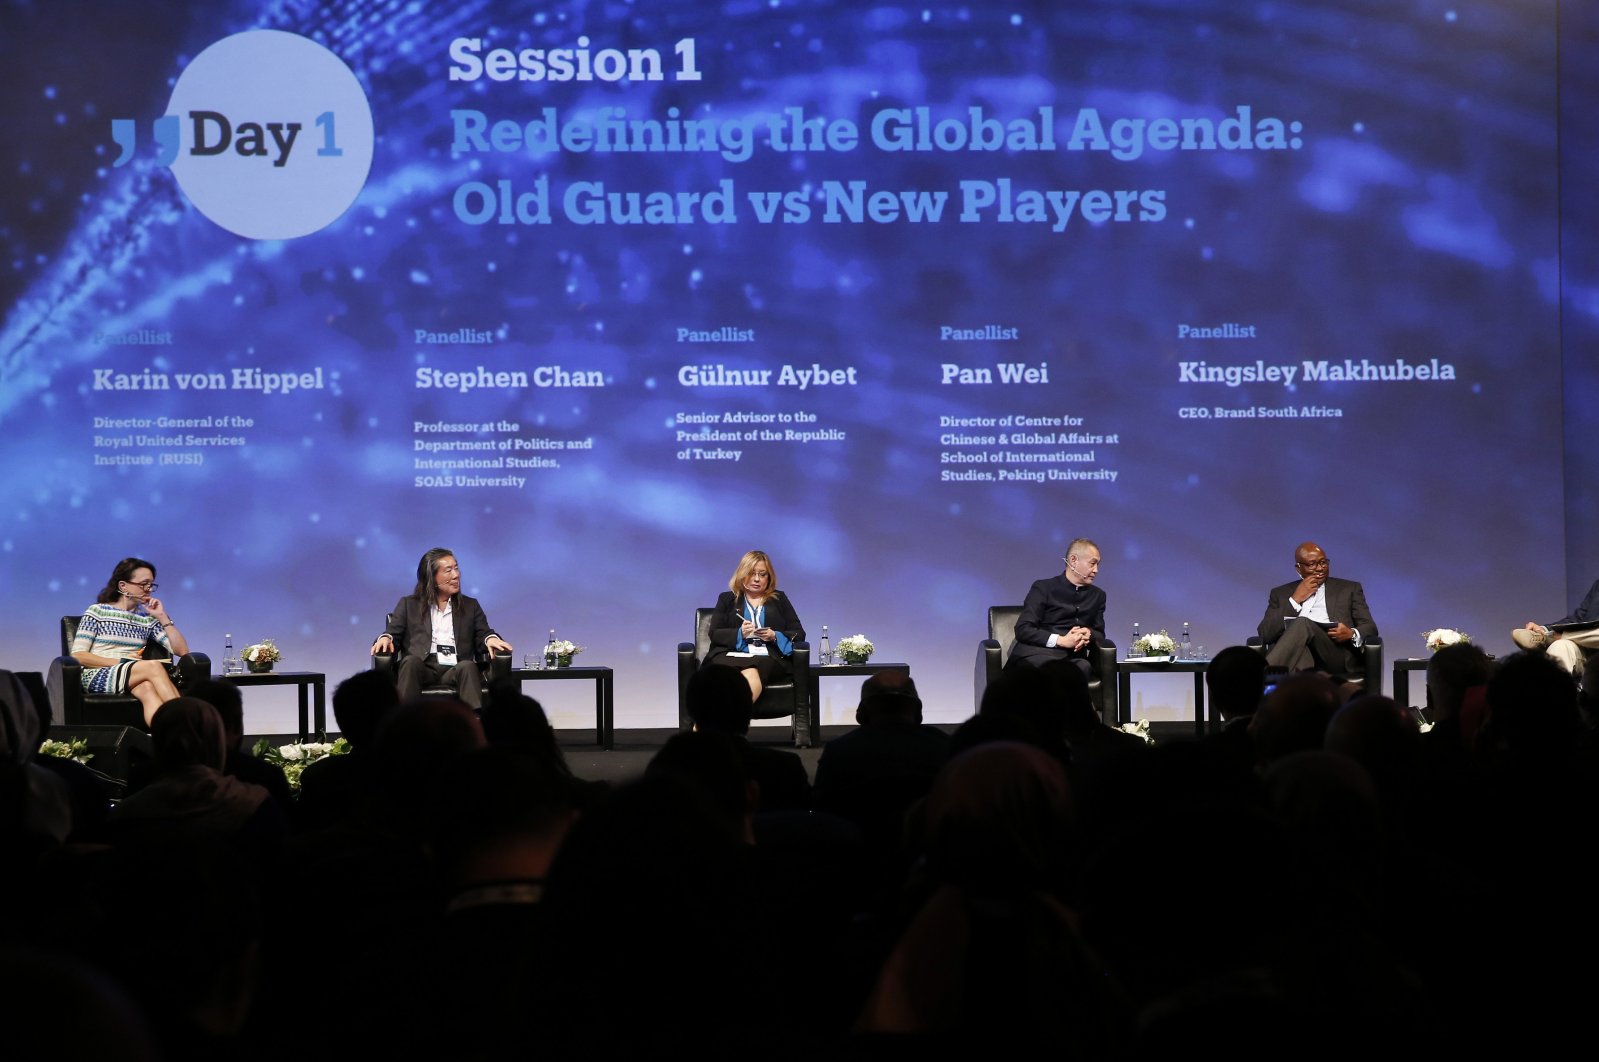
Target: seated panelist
x=1316 y=622
x=439 y=631
x=1062 y=616
x=113 y=635
x=754 y=627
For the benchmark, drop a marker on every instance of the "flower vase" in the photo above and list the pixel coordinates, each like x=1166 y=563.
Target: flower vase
x=856 y=658
x=563 y=661
x=258 y=667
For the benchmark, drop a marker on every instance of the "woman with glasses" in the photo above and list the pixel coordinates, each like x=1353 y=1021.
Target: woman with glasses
x=116 y=631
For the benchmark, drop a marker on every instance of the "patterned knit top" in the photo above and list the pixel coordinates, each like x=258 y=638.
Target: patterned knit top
x=108 y=631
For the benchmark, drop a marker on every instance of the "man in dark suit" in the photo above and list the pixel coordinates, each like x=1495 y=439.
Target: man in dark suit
x=440 y=631
x=1062 y=616
x=1317 y=623
x=1568 y=648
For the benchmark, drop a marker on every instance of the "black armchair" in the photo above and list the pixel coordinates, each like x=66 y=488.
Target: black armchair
x=492 y=667
x=71 y=706
x=993 y=653
x=779 y=699
x=1369 y=676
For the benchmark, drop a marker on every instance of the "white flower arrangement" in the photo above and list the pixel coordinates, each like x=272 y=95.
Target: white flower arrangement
x=1138 y=729
x=265 y=651
x=562 y=647
x=855 y=648
x=1157 y=644
x=76 y=749
x=295 y=757
x=1439 y=637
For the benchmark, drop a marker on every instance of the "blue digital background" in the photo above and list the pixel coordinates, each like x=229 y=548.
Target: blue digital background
x=1421 y=220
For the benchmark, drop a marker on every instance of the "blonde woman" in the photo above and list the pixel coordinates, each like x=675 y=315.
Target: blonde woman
x=755 y=626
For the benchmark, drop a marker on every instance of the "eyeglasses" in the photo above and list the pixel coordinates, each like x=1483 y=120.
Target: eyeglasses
x=148 y=584
x=1312 y=564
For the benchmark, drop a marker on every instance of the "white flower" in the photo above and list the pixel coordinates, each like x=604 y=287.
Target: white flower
x=1439 y=637
x=1157 y=644
x=1138 y=729
x=265 y=649
x=856 y=645
x=296 y=757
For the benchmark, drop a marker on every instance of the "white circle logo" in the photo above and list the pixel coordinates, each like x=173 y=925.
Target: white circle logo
x=276 y=135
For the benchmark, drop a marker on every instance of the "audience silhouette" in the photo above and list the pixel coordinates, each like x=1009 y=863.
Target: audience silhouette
x=1318 y=877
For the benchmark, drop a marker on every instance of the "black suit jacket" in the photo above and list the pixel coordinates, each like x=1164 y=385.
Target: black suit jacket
x=1055 y=606
x=412 y=628
x=1346 y=604
x=728 y=618
x=1586 y=612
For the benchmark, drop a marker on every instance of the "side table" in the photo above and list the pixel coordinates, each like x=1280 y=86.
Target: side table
x=1126 y=669
x=307 y=683
x=821 y=671
x=1402 y=670
x=604 y=693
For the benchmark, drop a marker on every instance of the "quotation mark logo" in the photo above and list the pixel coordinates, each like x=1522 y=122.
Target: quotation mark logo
x=124 y=133
x=268 y=134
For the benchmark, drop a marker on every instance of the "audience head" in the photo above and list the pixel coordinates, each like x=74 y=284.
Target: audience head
x=1588 y=699
x=1452 y=671
x=710 y=761
x=889 y=697
x=122 y=573
x=1532 y=705
x=1074 y=703
x=999 y=816
x=1236 y=681
x=228 y=700
x=1380 y=735
x=1294 y=716
x=1031 y=699
x=516 y=723
x=417 y=741
x=718 y=698
x=187 y=732
x=66 y=1007
x=491 y=812
x=1330 y=804
x=21 y=729
x=361 y=702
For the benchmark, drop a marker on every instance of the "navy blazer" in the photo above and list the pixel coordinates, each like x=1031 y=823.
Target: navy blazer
x=728 y=619
x=411 y=627
x=1055 y=606
x=1346 y=604
x=1586 y=612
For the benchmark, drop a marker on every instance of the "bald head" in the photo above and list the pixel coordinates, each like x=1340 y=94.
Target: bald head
x=1310 y=560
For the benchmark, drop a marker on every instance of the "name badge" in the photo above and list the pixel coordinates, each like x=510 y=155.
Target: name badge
x=445 y=655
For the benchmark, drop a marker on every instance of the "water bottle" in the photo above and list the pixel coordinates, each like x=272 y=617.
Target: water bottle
x=551 y=657
x=230 y=663
x=1186 y=647
x=1133 y=649
x=825 y=654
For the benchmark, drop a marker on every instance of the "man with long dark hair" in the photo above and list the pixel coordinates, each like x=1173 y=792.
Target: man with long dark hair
x=439 y=630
